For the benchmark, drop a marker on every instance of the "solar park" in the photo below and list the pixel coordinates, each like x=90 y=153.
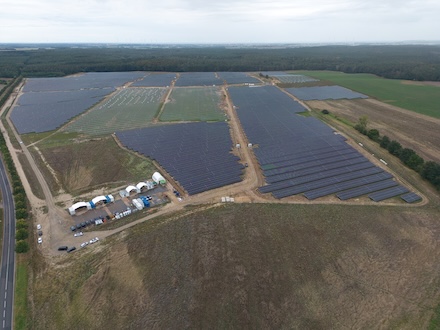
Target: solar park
x=302 y=155
x=297 y=155
x=196 y=155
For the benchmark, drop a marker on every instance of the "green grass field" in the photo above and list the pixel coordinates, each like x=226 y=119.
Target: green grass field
x=20 y=299
x=126 y=109
x=193 y=104
x=417 y=98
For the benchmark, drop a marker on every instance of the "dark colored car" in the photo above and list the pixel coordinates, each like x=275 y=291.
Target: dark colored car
x=73 y=228
x=62 y=248
x=40 y=233
x=71 y=249
x=83 y=224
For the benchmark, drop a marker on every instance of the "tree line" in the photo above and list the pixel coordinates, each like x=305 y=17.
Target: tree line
x=428 y=170
x=19 y=194
x=411 y=62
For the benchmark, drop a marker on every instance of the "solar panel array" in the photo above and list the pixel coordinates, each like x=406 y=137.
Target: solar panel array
x=324 y=93
x=388 y=193
x=198 y=79
x=237 y=78
x=48 y=103
x=285 y=77
x=411 y=197
x=46 y=111
x=302 y=155
x=155 y=80
x=197 y=155
x=81 y=81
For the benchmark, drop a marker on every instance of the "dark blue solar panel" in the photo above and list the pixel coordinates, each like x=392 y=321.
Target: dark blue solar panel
x=368 y=188
x=155 y=80
x=348 y=172
x=411 y=197
x=197 y=155
x=324 y=93
x=388 y=193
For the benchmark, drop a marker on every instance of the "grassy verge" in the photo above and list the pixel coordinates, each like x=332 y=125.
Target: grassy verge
x=422 y=99
x=20 y=299
x=30 y=177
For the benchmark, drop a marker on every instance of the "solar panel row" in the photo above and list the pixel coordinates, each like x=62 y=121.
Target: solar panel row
x=411 y=197
x=368 y=188
x=324 y=93
x=388 y=193
x=309 y=182
x=340 y=186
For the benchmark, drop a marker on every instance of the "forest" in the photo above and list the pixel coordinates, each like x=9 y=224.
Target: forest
x=410 y=62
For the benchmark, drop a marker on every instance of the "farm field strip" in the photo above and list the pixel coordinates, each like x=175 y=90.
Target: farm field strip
x=421 y=99
x=128 y=108
x=193 y=104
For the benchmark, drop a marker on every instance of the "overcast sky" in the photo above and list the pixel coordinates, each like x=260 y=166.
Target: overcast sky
x=214 y=21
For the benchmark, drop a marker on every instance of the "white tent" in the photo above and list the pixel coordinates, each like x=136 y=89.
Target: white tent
x=158 y=178
x=74 y=207
x=129 y=189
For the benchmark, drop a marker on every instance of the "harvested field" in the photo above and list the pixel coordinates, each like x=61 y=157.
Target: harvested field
x=252 y=267
x=412 y=130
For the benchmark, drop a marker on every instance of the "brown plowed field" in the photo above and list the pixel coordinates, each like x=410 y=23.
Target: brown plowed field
x=418 y=132
x=254 y=266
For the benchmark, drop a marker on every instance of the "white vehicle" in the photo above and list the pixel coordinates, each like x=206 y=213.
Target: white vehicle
x=38 y=227
x=84 y=244
x=40 y=240
x=78 y=234
x=94 y=240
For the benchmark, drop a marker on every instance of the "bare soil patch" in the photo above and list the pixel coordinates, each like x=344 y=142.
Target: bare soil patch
x=412 y=130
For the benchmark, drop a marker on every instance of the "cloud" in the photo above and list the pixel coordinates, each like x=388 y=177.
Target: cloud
x=216 y=21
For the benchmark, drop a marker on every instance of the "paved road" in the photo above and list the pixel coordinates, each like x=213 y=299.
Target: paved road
x=8 y=253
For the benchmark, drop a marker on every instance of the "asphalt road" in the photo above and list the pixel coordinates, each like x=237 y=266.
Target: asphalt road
x=8 y=253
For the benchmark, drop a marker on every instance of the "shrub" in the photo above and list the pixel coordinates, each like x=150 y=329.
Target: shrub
x=21 y=234
x=21 y=247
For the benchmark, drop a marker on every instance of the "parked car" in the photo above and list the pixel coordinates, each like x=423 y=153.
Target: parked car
x=40 y=233
x=84 y=244
x=78 y=234
x=40 y=240
x=62 y=248
x=71 y=249
x=38 y=227
x=72 y=228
